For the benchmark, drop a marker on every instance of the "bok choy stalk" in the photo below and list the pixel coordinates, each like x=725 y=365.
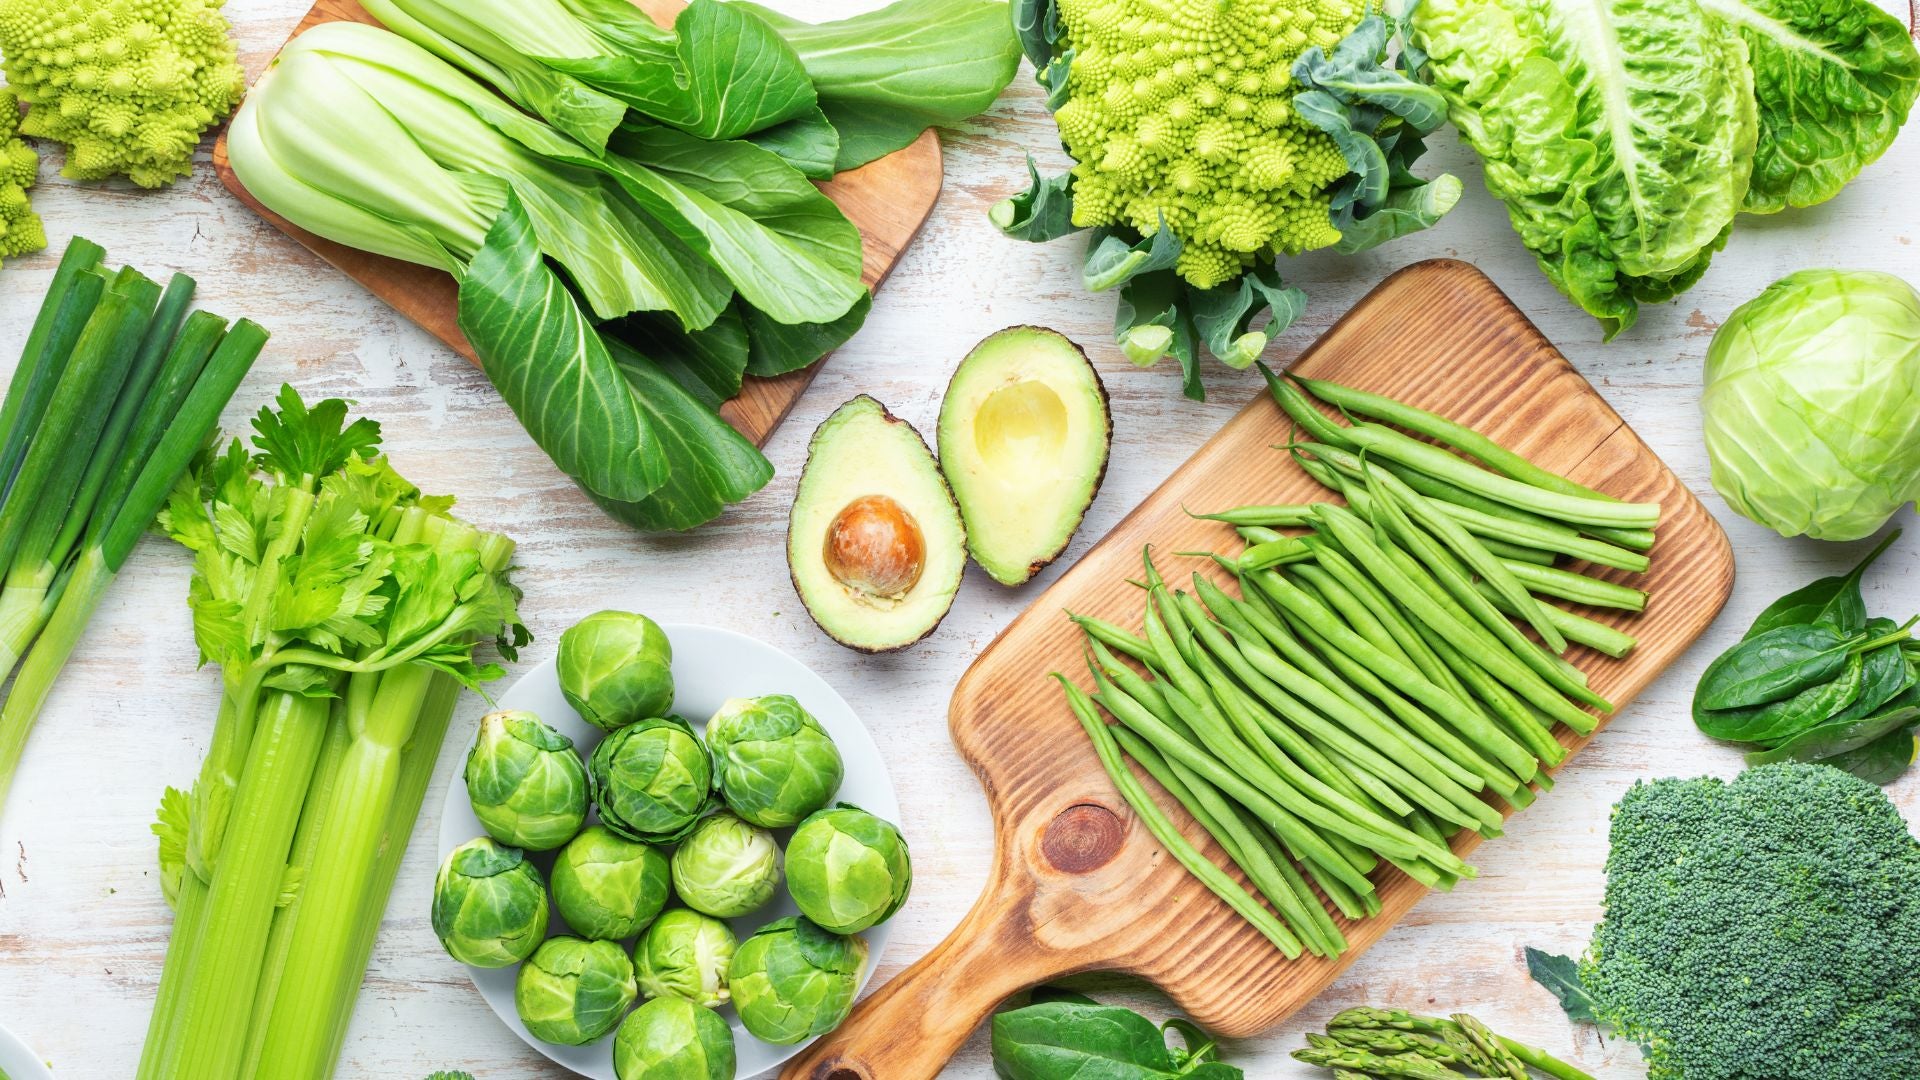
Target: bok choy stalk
x=116 y=390
x=827 y=97
x=715 y=258
x=342 y=607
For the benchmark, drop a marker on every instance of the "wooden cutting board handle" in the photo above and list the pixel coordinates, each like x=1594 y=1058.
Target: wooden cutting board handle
x=911 y=1026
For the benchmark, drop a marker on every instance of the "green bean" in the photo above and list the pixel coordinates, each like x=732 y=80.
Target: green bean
x=1637 y=540
x=1353 y=682
x=1227 y=830
x=1371 y=670
x=1378 y=740
x=1311 y=420
x=1397 y=496
x=1162 y=828
x=1583 y=631
x=1348 y=606
x=1550 y=538
x=1292 y=873
x=1381 y=796
x=1275 y=516
x=1503 y=651
x=1258 y=534
x=1287 y=549
x=1387 y=613
x=1579 y=588
x=1139 y=688
x=1115 y=636
x=1519 y=718
x=1437 y=427
x=1580 y=510
x=1517 y=552
x=1202 y=761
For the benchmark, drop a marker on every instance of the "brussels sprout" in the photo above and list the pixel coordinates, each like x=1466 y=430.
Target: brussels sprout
x=726 y=867
x=607 y=886
x=1809 y=404
x=527 y=786
x=489 y=904
x=573 y=991
x=653 y=779
x=773 y=762
x=792 y=980
x=671 y=1038
x=685 y=954
x=848 y=870
x=615 y=668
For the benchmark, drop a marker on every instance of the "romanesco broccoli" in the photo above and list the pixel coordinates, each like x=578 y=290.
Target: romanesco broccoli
x=127 y=85
x=1763 y=929
x=20 y=229
x=1183 y=112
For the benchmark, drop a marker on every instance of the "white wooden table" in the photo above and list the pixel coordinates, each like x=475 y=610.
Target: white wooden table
x=82 y=924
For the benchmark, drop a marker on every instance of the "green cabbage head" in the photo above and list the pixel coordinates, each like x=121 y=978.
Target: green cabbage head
x=1812 y=403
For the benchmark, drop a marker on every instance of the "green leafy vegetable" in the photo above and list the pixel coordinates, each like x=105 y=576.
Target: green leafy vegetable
x=1061 y=1034
x=1835 y=80
x=1808 y=426
x=1620 y=135
x=1561 y=974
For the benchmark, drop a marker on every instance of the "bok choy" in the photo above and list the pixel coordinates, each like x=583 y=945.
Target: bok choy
x=343 y=608
x=117 y=388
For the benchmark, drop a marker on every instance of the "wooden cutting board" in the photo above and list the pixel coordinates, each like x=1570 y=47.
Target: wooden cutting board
x=888 y=200
x=1077 y=883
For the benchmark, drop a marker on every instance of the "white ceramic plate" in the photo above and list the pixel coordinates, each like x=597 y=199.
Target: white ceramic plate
x=17 y=1062
x=709 y=666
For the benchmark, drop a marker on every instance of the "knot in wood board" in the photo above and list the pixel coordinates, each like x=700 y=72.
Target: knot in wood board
x=1083 y=837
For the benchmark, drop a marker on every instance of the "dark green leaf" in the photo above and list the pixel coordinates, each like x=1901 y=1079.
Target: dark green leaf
x=1037 y=24
x=776 y=348
x=713 y=465
x=885 y=76
x=1887 y=675
x=1833 y=601
x=1788 y=716
x=1836 y=737
x=1773 y=666
x=1058 y=1039
x=1224 y=317
x=731 y=75
x=707 y=363
x=809 y=143
x=1160 y=300
x=1041 y=213
x=547 y=361
x=1882 y=761
x=1561 y=975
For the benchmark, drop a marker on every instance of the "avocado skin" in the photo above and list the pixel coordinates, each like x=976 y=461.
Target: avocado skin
x=1106 y=441
x=813 y=449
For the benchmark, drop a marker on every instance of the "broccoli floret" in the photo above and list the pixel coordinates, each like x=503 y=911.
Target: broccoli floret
x=127 y=85
x=1183 y=112
x=20 y=229
x=1763 y=929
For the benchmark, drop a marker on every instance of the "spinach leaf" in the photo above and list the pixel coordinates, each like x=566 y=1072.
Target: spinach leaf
x=1561 y=975
x=1780 y=719
x=886 y=76
x=1832 y=601
x=1887 y=675
x=730 y=74
x=713 y=465
x=1062 y=1035
x=552 y=368
x=1881 y=761
x=1837 y=737
x=1834 y=80
x=1772 y=666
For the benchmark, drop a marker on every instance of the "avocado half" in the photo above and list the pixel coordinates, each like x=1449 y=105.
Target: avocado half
x=874 y=542
x=1024 y=437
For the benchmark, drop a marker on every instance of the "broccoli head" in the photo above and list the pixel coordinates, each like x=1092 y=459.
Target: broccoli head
x=127 y=85
x=1763 y=929
x=20 y=229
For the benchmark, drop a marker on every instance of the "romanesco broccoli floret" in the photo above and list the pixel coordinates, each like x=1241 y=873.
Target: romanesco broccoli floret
x=127 y=85
x=20 y=229
x=1181 y=110
x=1763 y=929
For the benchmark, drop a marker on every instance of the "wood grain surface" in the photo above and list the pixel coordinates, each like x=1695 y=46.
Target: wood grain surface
x=1079 y=883
x=887 y=199
x=83 y=927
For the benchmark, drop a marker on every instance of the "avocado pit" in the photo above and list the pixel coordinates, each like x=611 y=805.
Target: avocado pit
x=874 y=546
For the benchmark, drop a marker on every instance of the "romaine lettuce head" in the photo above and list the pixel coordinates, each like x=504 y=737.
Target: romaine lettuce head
x=1812 y=403
x=1619 y=134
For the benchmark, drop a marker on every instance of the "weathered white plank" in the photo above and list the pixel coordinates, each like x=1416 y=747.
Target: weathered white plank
x=82 y=927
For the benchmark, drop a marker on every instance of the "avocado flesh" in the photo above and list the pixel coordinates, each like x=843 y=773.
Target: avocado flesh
x=1024 y=434
x=859 y=452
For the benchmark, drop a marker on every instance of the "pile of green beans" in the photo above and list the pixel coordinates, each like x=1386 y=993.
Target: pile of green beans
x=1372 y=689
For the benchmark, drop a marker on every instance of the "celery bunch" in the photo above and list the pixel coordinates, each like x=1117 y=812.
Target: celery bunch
x=343 y=608
x=117 y=389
